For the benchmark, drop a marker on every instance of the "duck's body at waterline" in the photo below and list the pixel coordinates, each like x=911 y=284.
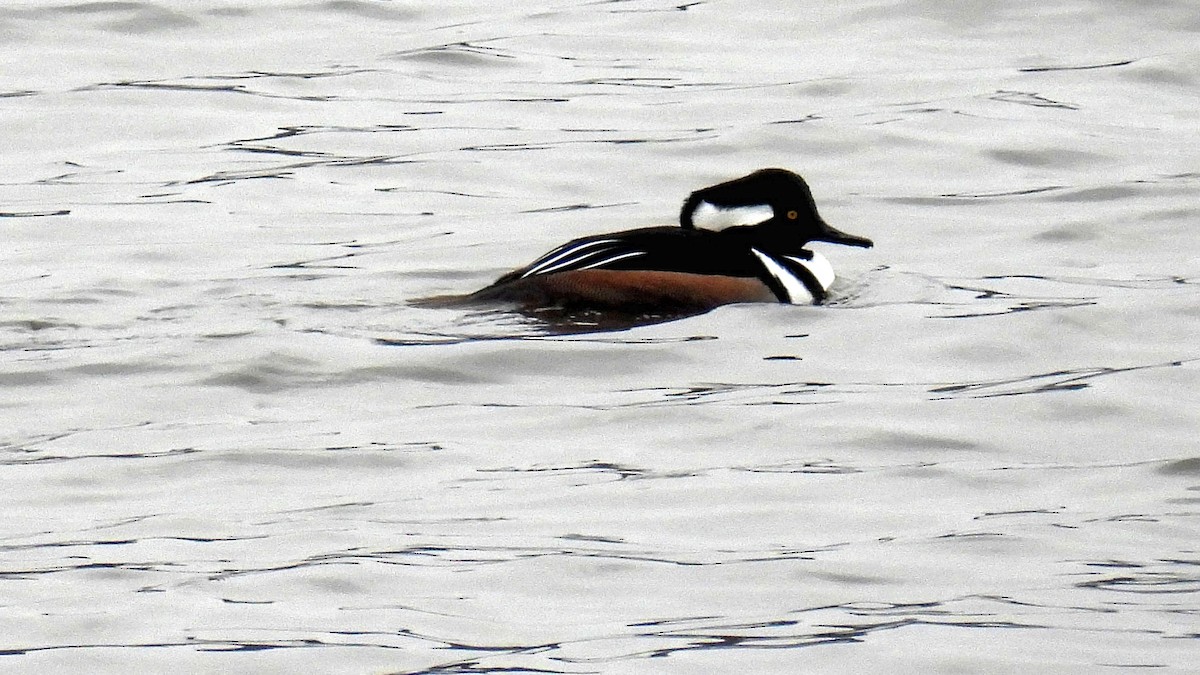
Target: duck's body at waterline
x=686 y=268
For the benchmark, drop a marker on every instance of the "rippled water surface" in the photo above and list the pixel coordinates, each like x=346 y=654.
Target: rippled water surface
x=228 y=443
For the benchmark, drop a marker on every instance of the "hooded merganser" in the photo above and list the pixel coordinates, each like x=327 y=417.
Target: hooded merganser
x=687 y=269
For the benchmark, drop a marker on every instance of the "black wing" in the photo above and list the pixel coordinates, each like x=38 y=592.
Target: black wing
x=662 y=249
x=641 y=249
x=584 y=254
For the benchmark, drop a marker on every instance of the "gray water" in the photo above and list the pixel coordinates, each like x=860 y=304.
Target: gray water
x=228 y=443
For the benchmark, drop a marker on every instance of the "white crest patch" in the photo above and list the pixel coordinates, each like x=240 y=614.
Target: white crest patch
x=709 y=217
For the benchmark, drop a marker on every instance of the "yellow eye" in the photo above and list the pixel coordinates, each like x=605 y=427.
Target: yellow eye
x=792 y=215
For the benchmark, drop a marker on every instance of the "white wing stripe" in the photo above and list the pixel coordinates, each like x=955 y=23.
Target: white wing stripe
x=573 y=262
x=550 y=259
x=612 y=260
x=606 y=256
x=793 y=288
x=567 y=251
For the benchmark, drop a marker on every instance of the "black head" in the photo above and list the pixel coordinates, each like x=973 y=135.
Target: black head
x=788 y=196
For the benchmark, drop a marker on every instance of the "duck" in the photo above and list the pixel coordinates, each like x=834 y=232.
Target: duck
x=686 y=269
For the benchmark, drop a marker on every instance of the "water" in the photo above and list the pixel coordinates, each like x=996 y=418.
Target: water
x=229 y=443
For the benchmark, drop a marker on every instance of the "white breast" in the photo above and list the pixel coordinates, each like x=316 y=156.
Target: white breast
x=793 y=286
x=819 y=266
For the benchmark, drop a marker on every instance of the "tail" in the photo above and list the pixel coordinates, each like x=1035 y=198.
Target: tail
x=445 y=301
x=498 y=292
